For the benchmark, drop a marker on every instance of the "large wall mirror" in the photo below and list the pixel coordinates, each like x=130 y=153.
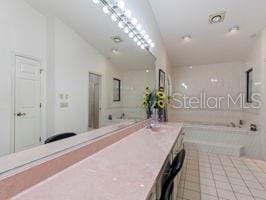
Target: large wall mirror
x=59 y=60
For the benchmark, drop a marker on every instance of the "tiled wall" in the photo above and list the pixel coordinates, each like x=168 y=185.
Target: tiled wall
x=216 y=80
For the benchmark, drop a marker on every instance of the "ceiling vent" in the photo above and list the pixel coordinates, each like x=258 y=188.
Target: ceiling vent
x=117 y=39
x=217 y=18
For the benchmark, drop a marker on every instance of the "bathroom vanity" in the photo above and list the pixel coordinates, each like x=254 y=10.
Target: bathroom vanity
x=133 y=167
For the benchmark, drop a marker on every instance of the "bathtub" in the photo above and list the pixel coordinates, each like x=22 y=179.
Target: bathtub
x=221 y=139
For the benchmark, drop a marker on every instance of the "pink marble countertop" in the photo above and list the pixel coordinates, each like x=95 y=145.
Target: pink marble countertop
x=125 y=170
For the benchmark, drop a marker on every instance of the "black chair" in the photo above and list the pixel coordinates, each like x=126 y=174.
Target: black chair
x=59 y=137
x=176 y=167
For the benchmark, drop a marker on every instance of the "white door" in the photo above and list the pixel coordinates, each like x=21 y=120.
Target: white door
x=27 y=103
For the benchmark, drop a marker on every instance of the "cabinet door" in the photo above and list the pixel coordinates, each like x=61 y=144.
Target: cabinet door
x=153 y=195
x=164 y=174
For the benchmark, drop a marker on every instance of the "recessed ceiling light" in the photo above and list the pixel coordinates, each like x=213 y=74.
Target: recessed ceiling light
x=187 y=38
x=115 y=51
x=117 y=39
x=147 y=70
x=217 y=18
x=234 y=29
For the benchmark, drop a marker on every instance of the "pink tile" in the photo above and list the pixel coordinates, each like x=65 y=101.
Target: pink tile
x=223 y=185
x=241 y=189
x=226 y=194
x=189 y=194
x=244 y=197
x=208 y=190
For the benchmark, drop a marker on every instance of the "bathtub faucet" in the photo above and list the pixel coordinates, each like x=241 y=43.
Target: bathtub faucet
x=122 y=116
x=233 y=124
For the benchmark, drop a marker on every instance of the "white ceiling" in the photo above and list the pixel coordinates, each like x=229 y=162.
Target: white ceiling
x=210 y=43
x=88 y=20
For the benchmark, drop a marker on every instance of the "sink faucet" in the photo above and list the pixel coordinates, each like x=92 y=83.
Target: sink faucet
x=151 y=124
x=122 y=116
x=233 y=124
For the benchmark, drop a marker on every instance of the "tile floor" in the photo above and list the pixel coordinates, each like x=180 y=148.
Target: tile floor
x=218 y=177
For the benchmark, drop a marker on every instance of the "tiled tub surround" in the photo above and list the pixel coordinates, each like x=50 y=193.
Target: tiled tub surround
x=222 y=140
x=126 y=170
x=207 y=176
x=21 y=178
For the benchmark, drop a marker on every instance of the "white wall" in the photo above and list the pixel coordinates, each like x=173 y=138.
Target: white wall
x=22 y=30
x=198 y=79
x=135 y=83
x=254 y=61
x=74 y=59
x=110 y=107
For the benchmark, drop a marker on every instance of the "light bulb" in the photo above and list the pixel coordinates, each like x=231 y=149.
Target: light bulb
x=134 y=21
x=187 y=38
x=131 y=35
x=143 y=32
x=135 y=39
x=106 y=10
x=126 y=30
x=121 y=25
x=149 y=41
x=114 y=18
x=139 y=43
x=96 y=1
x=128 y=13
x=142 y=46
x=139 y=27
x=152 y=45
x=121 y=4
x=146 y=37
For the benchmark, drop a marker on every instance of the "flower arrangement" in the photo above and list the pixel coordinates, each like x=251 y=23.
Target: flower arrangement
x=154 y=100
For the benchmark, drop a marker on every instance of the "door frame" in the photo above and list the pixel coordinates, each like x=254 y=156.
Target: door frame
x=13 y=96
x=100 y=97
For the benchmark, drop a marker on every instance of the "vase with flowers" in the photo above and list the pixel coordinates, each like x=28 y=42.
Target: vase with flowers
x=154 y=100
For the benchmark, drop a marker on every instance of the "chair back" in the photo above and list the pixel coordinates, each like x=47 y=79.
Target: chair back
x=59 y=137
x=176 y=167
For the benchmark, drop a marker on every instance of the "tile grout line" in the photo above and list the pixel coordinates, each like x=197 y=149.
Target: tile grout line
x=213 y=176
x=245 y=181
x=190 y=181
x=227 y=174
x=185 y=172
x=254 y=174
x=199 y=175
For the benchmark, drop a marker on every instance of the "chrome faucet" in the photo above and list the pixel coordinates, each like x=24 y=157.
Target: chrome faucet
x=122 y=116
x=233 y=124
x=151 y=124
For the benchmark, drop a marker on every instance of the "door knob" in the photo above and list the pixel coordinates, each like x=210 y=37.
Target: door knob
x=21 y=114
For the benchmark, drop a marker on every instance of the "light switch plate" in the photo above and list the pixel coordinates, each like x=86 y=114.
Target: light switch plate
x=63 y=105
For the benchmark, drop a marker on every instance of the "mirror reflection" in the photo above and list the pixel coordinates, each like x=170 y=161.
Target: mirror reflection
x=72 y=70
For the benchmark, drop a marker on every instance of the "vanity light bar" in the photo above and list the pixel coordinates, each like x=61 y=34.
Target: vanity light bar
x=125 y=21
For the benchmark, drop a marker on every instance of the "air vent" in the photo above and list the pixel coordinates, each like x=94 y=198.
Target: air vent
x=117 y=39
x=217 y=18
